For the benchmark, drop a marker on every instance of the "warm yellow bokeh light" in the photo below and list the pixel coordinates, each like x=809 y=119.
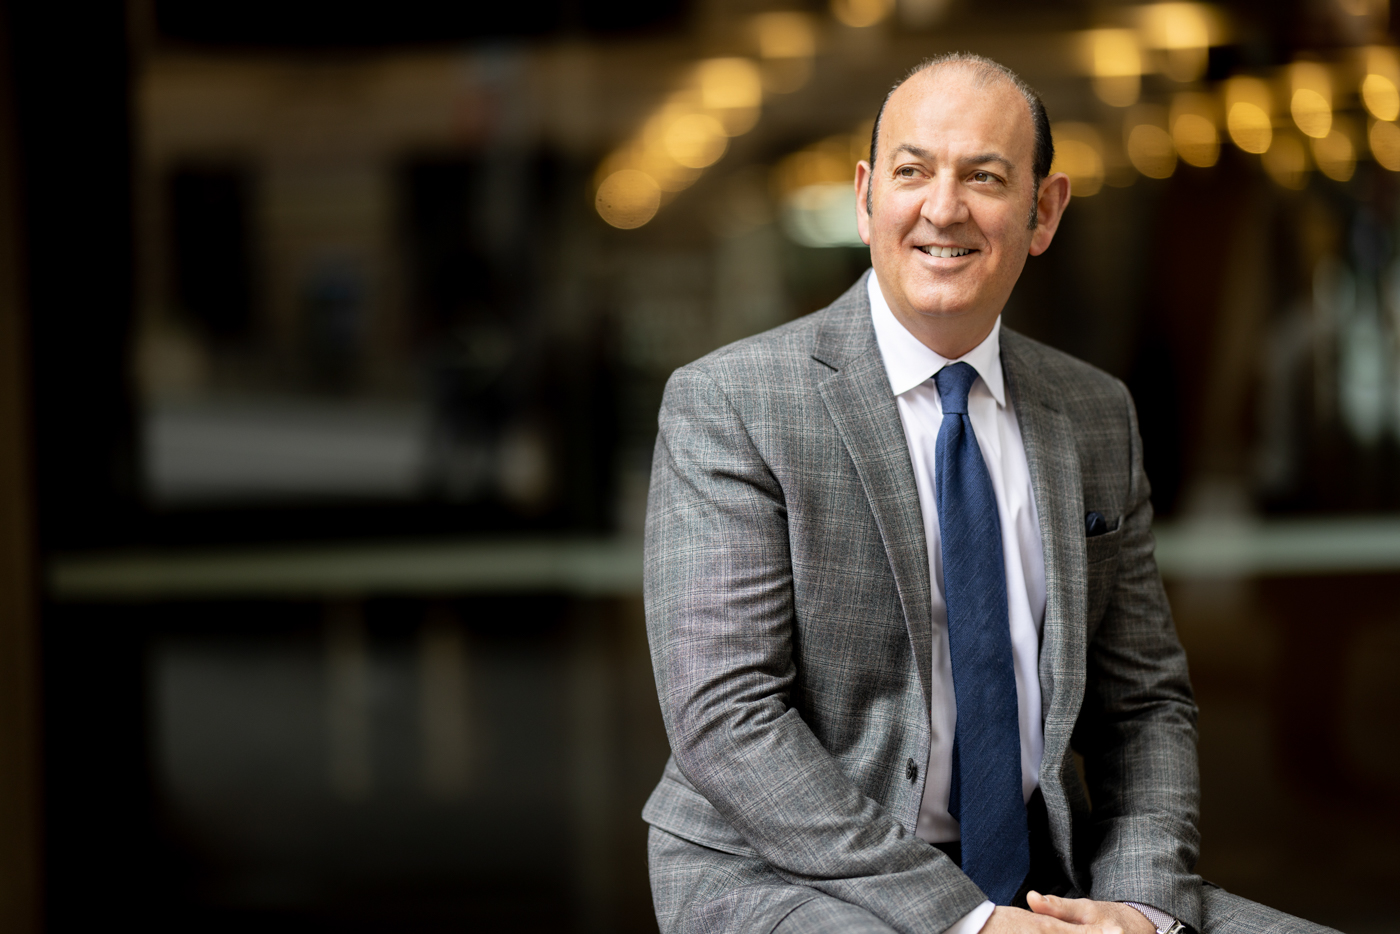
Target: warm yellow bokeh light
x=731 y=89
x=1176 y=25
x=1242 y=89
x=1151 y=151
x=695 y=140
x=785 y=35
x=1381 y=97
x=1196 y=140
x=1082 y=161
x=1311 y=101
x=1112 y=53
x=1311 y=112
x=1118 y=90
x=729 y=83
x=831 y=161
x=1183 y=32
x=1385 y=145
x=1250 y=127
x=628 y=199
x=1287 y=162
x=1335 y=155
x=861 y=13
x=1114 y=60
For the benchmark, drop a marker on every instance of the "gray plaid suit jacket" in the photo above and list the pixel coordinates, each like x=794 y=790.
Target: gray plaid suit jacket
x=788 y=610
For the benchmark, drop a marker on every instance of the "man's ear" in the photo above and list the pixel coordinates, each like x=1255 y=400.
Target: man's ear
x=863 y=179
x=1049 y=208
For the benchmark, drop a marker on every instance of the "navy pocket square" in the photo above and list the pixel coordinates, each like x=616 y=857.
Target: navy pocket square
x=1095 y=524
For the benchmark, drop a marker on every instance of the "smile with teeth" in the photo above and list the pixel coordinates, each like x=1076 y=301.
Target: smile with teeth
x=946 y=251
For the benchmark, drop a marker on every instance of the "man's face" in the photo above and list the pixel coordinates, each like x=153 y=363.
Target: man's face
x=953 y=192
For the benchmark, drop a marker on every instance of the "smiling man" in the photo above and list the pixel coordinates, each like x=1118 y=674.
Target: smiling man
x=899 y=571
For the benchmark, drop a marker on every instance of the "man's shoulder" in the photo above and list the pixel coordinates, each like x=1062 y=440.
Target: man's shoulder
x=785 y=352
x=1062 y=379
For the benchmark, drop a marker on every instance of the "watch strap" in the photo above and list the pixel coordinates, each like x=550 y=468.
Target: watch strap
x=1163 y=922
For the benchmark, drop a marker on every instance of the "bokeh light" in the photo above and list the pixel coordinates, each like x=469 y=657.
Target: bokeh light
x=861 y=13
x=1182 y=31
x=1079 y=154
x=1250 y=127
x=1335 y=155
x=1381 y=97
x=1151 y=150
x=1384 y=138
x=1311 y=103
x=1194 y=131
x=1115 y=62
x=696 y=141
x=1248 y=105
x=1287 y=162
x=628 y=199
x=786 y=42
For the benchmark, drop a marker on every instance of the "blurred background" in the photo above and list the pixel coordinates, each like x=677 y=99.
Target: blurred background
x=331 y=343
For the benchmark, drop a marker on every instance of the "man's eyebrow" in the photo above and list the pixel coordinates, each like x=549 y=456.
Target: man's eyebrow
x=917 y=152
x=983 y=158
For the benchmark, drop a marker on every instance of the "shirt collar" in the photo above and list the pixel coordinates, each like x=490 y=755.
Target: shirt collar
x=909 y=362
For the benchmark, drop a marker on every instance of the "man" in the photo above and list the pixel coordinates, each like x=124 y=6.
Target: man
x=899 y=570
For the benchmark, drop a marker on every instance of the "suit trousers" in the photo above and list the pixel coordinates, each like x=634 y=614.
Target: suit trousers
x=697 y=890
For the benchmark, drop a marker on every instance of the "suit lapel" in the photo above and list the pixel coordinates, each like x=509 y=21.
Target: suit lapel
x=862 y=406
x=1053 y=459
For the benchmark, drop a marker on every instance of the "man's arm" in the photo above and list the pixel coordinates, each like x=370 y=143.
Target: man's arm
x=720 y=619
x=1137 y=729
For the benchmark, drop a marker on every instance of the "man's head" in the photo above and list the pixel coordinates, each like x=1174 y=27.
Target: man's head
x=959 y=160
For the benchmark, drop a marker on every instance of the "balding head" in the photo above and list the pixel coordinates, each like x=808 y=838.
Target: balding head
x=984 y=71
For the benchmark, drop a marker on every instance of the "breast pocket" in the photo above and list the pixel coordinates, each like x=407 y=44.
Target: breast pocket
x=1101 y=552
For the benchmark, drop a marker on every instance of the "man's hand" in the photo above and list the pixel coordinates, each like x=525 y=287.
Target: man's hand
x=1006 y=920
x=1105 y=916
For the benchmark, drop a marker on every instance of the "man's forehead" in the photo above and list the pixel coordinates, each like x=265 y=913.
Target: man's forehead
x=952 y=82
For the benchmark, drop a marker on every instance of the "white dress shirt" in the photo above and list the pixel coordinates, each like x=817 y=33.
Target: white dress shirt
x=910 y=366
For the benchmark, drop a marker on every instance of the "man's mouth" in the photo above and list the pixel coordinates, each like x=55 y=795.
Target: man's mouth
x=947 y=252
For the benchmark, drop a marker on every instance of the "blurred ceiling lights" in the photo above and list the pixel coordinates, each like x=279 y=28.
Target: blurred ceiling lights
x=1174 y=40
x=1115 y=62
x=1248 y=105
x=1286 y=116
x=1286 y=161
x=1385 y=144
x=1079 y=154
x=721 y=98
x=861 y=13
x=1311 y=104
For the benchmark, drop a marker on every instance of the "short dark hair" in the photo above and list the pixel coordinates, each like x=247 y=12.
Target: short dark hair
x=1044 y=151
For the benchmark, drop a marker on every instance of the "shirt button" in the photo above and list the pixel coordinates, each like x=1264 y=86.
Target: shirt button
x=911 y=770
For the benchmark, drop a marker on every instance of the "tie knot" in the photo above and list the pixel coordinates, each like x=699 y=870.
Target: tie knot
x=954 y=381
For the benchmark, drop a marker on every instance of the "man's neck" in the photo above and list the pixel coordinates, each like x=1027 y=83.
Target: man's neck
x=950 y=336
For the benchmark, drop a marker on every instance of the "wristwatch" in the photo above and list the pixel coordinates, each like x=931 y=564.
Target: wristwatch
x=1164 y=922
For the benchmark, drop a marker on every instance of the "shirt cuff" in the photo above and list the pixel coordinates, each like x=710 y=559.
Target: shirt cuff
x=1162 y=921
x=972 y=922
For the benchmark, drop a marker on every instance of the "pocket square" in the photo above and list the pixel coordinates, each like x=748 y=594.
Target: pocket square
x=1095 y=524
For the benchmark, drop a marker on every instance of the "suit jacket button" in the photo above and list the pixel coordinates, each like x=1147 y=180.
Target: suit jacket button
x=911 y=770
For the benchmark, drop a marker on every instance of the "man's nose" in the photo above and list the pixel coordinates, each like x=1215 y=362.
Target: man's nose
x=944 y=205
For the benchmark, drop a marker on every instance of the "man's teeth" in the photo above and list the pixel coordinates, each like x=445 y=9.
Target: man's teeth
x=945 y=251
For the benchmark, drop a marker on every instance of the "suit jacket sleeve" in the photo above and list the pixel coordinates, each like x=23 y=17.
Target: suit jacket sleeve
x=1137 y=727
x=720 y=618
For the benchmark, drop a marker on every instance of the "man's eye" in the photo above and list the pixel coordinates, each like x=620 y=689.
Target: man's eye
x=906 y=171
x=981 y=177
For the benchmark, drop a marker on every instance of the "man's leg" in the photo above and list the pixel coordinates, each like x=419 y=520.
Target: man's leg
x=702 y=891
x=1223 y=913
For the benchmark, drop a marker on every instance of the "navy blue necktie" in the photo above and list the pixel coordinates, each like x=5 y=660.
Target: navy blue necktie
x=986 y=791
